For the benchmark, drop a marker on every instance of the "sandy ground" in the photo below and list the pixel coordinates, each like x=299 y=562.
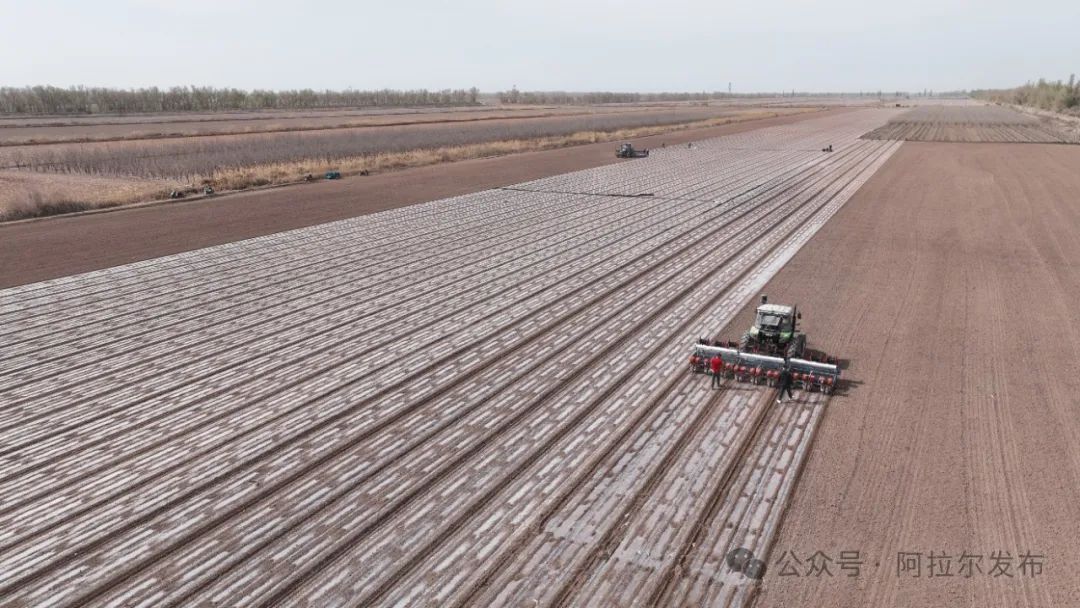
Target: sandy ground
x=61 y=246
x=950 y=282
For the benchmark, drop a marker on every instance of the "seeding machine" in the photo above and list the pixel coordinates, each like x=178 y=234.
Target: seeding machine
x=771 y=345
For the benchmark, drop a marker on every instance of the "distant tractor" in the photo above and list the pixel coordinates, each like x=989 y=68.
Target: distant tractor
x=775 y=331
x=628 y=151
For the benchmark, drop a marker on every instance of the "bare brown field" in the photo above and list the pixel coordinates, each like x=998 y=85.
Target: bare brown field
x=68 y=130
x=972 y=123
x=950 y=283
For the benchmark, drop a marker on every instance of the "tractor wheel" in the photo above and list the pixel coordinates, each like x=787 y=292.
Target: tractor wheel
x=745 y=341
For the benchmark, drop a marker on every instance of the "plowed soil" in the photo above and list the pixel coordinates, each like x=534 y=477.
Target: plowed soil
x=973 y=123
x=950 y=282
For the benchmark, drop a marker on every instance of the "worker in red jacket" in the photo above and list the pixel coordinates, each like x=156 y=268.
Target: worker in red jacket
x=716 y=364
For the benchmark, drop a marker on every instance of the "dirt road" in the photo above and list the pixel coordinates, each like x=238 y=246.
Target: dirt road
x=62 y=246
x=951 y=283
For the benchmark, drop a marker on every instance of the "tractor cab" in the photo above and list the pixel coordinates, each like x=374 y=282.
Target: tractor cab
x=772 y=345
x=775 y=331
x=629 y=151
x=774 y=320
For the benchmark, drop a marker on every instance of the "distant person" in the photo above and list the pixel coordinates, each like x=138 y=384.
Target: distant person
x=716 y=364
x=785 y=383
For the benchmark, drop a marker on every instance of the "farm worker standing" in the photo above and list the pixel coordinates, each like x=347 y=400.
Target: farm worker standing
x=715 y=364
x=785 y=384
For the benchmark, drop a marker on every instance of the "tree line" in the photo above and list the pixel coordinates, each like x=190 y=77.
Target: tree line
x=514 y=96
x=93 y=100
x=1057 y=96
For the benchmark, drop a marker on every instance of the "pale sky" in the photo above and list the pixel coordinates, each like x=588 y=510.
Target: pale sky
x=589 y=45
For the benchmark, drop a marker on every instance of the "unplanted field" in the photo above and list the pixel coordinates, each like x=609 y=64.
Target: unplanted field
x=480 y=400
x=950 y=283
x=972 y=123
x=16 y=131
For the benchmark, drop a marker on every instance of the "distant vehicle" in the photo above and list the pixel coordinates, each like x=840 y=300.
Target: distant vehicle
x=628 y=151
x=333 y=175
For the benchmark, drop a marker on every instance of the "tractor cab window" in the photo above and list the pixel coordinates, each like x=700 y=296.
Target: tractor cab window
x=766 y=319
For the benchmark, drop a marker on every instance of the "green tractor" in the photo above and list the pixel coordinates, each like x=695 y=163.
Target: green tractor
x=629 y=151
x=775 y=331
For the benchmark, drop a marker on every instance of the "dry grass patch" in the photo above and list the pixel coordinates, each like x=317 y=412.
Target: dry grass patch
x=25 y=194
